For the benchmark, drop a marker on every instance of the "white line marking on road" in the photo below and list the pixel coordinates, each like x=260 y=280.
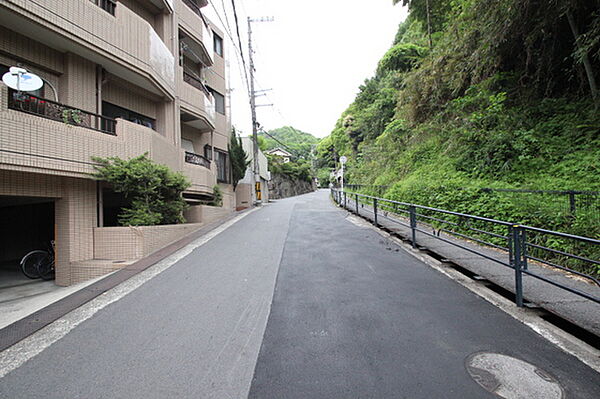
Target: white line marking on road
x=15 y=356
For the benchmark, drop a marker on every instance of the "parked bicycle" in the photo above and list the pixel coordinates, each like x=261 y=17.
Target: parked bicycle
x=39 y=263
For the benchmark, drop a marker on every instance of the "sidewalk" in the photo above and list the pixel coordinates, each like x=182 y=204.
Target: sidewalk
x=573 y=308
x=32 y=315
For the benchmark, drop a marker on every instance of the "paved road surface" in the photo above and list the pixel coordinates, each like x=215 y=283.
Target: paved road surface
x=352 y=317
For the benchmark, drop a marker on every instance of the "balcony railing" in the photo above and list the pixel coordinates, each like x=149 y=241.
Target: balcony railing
x=194 y=81
x=60 y=112
x=196 y=159
x=107 y=5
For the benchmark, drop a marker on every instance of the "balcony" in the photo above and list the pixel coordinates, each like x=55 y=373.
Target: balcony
x=197 y=103
x=195 y=82
x=197 y=159
x=123 y=42
x=197 y=34
x=195 y=5
x=60 y=112
x=107 y=5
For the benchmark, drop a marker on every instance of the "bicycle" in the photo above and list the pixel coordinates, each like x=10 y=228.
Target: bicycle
x=39 y=263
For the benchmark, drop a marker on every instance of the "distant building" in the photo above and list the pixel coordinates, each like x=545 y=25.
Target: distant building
x=244 y=188
x=280 y=152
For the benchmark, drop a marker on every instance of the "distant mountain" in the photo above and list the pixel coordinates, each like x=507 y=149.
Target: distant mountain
x=297 y=142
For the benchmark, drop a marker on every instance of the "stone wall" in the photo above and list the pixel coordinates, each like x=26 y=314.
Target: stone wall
x=281 y=186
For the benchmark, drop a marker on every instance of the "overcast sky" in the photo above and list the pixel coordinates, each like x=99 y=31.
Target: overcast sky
x=313 y=56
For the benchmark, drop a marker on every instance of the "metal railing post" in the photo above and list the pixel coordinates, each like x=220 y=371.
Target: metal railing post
x=517 y=254
x=413 y=224
x=375 y=211
x=345 y=205
x=356 y=199
x=572 y=203
x=524 y=249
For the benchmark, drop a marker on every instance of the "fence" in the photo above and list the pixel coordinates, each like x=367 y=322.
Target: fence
x=570 y=203
x=60 y=112
x=521 y=244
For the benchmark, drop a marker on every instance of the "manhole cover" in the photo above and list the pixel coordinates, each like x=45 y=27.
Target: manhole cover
x=512 y=378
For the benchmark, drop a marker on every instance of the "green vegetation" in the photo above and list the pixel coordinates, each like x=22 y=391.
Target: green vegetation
x=217 y=196
x=238 y=157
x=153 y=190
x=299 y=169
x=296 y=142
x=299 y=144
x=482 y=94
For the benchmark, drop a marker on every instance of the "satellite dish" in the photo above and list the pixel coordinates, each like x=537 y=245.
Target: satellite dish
x=20 y=79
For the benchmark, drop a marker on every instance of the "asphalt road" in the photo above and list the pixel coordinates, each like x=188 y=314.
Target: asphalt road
x=352 y=316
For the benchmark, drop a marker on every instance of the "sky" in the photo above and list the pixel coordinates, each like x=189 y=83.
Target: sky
x=312 y=57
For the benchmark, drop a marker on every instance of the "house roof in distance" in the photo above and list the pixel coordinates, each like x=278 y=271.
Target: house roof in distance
x=279 y=151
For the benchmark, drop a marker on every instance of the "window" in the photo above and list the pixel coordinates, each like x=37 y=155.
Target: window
x=114 y=111
x=218 y=44
x=208 y=152
x=221 y=158
x=219 y=101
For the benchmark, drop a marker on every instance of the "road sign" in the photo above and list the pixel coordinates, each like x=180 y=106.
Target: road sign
x=343 y=159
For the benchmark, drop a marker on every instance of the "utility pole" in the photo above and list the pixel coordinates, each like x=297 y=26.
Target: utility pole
x=256 y=168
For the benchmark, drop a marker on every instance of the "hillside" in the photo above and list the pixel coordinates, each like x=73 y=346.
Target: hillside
x=297 y=142
x=500 y=95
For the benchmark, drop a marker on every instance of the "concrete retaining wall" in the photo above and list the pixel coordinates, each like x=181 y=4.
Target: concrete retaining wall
x=135 y=242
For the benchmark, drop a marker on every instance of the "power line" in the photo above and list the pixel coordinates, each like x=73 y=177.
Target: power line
x=225 y=14
x=284 y=145
x=237 y=28
x=239 y=54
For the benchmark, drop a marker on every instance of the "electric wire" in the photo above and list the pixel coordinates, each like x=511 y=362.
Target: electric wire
x=238 y=51
x=237 y=28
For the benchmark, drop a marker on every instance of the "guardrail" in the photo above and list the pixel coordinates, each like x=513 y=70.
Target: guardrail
x=521 y=243
x=570 y=203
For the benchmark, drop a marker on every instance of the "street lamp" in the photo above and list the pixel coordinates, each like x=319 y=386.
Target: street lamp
x=343 y=160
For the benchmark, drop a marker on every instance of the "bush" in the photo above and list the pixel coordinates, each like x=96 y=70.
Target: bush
x=154 y=190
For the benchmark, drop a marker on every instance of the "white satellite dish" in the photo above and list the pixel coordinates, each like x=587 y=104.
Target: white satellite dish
x=19 y=79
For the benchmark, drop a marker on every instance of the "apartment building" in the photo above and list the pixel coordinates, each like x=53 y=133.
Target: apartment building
x=121 y=78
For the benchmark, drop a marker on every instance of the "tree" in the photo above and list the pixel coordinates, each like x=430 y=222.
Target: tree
x=238 y=157
x=153 y=190
x=432 y=12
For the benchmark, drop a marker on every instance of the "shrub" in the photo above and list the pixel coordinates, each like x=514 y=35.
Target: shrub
x=153 y=190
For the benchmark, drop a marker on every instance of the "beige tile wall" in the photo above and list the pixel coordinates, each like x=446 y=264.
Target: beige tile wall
x=205 y=214
x=20 y=47
x=75 y=213
x=124 y=94
x=130 y=243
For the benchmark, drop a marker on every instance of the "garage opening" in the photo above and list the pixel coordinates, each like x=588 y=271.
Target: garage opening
x=26 y=224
